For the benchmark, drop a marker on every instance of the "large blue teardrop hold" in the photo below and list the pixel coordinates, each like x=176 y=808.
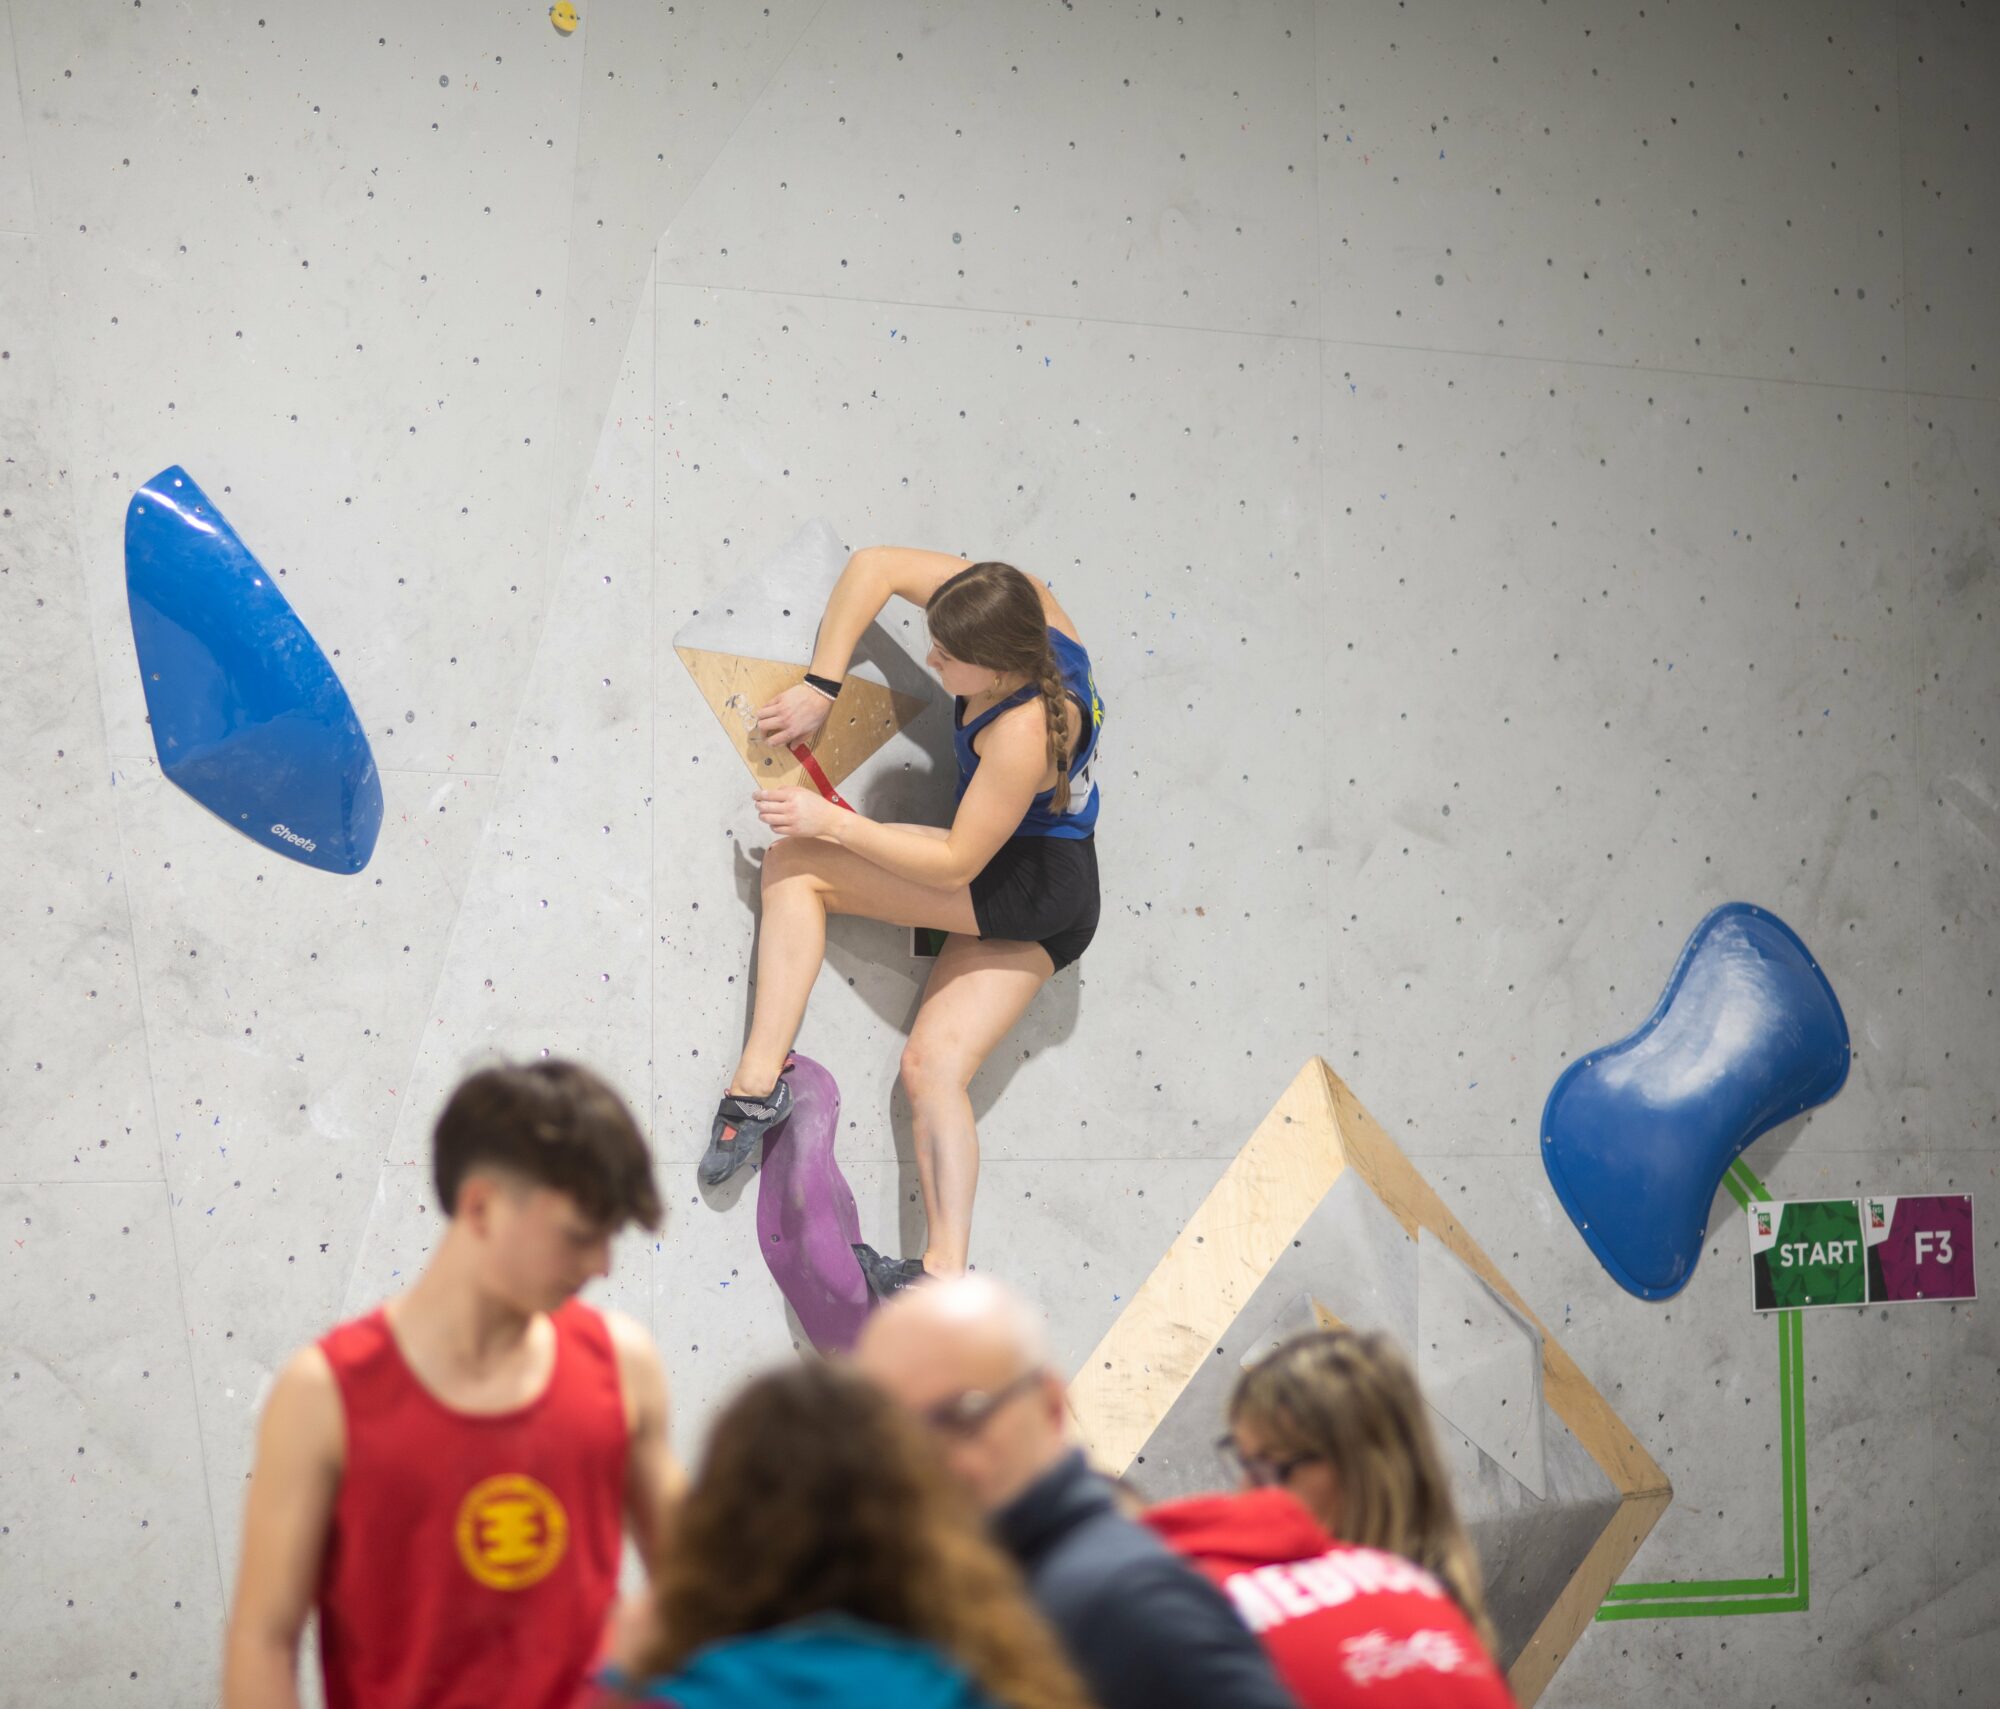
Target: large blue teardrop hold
x=248 y=716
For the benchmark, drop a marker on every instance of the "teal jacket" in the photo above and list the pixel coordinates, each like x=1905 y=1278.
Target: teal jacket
x=831 y=1663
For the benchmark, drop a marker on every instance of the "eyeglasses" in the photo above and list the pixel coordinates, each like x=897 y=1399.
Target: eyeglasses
x=966 y=1414
x=1260 y=1471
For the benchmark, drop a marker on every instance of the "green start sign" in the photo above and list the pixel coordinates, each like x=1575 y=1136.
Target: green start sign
x=1807 y=1252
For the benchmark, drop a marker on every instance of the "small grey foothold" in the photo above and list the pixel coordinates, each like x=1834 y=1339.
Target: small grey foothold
x=1438 y=278
x=444 y=82
x=955 y=238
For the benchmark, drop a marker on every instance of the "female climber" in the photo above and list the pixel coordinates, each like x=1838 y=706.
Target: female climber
x=1012 y=879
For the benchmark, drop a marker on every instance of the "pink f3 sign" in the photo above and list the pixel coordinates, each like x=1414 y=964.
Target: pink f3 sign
x=1919 y=1247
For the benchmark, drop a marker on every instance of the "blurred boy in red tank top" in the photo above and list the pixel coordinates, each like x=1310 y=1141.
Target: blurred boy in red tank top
x=449 y=1479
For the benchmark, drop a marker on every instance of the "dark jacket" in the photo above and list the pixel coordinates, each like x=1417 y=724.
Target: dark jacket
x=1145 y=1630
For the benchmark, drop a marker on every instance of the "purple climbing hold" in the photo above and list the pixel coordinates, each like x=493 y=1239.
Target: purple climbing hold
x=806 y=1221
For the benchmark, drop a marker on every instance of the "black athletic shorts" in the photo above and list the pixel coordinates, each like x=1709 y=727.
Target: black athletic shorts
x=1040 y=890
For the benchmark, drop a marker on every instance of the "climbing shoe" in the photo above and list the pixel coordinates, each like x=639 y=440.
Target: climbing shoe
x=739 y=1123
x=886 y=1276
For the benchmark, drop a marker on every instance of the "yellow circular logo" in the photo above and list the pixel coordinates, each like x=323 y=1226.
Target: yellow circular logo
x=511 y=1532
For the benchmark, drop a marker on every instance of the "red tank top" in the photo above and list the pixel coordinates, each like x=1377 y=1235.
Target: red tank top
x=473 y=1558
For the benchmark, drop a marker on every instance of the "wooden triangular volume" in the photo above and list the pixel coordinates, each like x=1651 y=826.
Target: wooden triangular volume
x=1319 y=1146
x=865 y=716
x=1209 y=1273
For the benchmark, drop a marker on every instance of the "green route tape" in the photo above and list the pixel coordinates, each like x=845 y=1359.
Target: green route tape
x=1789 y=1593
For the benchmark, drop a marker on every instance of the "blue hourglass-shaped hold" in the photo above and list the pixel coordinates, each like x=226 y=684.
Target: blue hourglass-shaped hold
x=1636 y=1137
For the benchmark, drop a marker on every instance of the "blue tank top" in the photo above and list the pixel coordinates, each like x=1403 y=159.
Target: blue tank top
x=1042 y=820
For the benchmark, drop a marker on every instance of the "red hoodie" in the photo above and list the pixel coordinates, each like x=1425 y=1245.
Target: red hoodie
x=1348 y=1628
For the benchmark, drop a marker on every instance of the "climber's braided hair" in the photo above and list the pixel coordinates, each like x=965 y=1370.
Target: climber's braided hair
x=989 y=614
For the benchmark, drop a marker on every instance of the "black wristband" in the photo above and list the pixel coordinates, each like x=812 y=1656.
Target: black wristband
x=825 y=684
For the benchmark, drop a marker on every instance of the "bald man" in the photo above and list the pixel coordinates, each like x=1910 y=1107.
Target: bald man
x=1144 y=1629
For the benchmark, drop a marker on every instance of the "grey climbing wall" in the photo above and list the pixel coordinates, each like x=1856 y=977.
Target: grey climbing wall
x=1526 y=473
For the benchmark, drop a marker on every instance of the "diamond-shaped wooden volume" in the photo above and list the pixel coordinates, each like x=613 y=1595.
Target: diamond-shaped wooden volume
x=1319 y=1219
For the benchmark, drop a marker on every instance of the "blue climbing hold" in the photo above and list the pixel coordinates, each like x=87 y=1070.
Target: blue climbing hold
x=1636 y=1137
x=248 y=717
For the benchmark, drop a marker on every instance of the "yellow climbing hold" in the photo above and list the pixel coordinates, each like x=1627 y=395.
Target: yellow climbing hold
x=563 y=15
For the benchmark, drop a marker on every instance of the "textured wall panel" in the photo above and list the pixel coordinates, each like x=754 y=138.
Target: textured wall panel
x=1482 y=587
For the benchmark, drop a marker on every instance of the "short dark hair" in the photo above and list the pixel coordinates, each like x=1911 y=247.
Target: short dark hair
x=558 y=1125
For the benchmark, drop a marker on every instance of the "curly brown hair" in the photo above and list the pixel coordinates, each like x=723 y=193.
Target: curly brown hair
x=817 y=1494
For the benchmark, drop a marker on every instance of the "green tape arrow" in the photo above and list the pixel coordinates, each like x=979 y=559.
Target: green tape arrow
x=1791 y=1592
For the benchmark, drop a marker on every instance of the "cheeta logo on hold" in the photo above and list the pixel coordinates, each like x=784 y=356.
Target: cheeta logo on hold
x=291 y=836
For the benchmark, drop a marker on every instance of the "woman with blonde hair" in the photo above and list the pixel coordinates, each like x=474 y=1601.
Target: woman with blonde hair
x=1345 y=1552
x=823 y=1557
x=1012 y=879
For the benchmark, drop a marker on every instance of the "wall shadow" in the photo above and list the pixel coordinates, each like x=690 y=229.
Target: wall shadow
x=857 y=946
